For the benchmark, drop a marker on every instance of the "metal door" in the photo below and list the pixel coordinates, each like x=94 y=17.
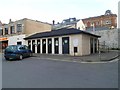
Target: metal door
x=65 y=45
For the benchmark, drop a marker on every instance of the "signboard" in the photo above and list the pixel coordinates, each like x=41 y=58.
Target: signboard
x=3 y=39
x=75 y=42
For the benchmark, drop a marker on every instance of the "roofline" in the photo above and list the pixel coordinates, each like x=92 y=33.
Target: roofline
x=28 y=19
x=86 y=33
x=100 y=16
x=36 y=21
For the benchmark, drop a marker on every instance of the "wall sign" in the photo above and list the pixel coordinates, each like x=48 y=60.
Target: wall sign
x=75 y=42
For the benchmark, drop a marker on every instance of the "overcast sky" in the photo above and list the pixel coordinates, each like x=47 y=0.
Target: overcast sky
x=49 y=10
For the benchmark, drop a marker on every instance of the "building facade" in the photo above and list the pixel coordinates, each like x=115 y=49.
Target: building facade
x=63 y=41
x=70 y=23
x=14 y=32
x=107 y=20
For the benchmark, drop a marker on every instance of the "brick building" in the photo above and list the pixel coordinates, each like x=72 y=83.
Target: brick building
x=107 y=20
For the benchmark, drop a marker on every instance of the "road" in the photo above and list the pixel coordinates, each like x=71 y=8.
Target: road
x=34 y=72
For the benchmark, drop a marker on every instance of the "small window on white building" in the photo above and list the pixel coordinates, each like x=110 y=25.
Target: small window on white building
x=108 y=22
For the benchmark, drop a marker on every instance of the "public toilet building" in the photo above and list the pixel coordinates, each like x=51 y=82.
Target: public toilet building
x=63 y=41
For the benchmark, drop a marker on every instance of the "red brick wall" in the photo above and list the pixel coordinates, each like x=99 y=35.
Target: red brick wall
x=100 y=21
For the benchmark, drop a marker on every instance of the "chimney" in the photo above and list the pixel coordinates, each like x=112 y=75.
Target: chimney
x=53 y=22
x=10 y=20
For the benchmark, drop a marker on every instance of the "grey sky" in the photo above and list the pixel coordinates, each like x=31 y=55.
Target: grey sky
x=47 y=10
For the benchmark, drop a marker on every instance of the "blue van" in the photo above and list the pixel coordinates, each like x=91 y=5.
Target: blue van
x=17 y=52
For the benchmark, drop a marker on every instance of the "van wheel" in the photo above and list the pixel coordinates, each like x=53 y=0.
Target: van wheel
x=21 y=57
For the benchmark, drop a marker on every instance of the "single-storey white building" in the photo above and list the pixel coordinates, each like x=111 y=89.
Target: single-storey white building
x=17 y=39
x=63 y=41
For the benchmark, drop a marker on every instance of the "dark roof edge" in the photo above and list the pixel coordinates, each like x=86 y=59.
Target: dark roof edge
x=83 y=32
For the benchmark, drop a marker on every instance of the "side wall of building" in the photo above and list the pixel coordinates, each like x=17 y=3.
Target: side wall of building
x=85 y=45
x=108 y=38
x=76 y=41
x=32 y=27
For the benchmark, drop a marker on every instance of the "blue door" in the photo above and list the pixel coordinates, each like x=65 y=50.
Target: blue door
x=65 y=45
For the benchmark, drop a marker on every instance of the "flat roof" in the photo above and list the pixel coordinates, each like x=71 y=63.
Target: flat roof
x=59 y=32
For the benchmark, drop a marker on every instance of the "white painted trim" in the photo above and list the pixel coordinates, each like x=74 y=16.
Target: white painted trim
x=60 y=45
x=46 y=45
x=41 y=46
x=31 y=44
x=35 y=45
x=53 y=46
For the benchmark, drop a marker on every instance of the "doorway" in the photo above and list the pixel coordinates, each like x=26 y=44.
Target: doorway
x=33 y=46
x=29 y=45
x=38 y=46
x=91 y=45
x=65 y=45
x=56 y=45
x=44 y=46
x=95 y=42
x=49 y=46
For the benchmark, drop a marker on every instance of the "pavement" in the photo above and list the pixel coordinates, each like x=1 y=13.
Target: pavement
x=102 y=57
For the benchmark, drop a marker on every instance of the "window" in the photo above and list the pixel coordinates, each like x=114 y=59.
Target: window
x=79 y=28
x=11 y=48
x=23 y=48
x=75 y=49
x=108 y=22
x=97 y=23
x=19 y=43
x=6 y=31
x=19 y=27
x=1 y=31
x=12 y=29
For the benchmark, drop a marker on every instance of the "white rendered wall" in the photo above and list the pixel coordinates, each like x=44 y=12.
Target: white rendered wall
x=80 y=25
x=12 y=40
